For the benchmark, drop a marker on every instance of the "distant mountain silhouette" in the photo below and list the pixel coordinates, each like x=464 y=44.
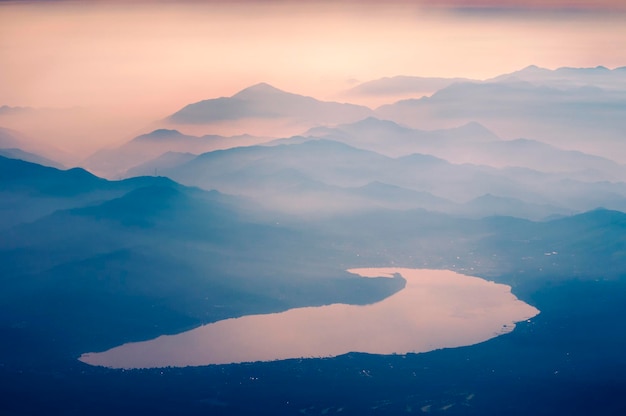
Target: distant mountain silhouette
x=519 y=180
x=115 y=163
x=469 y=143
x=29 y=157
x=563 y=116
x=403 y=85
x=567 y=77
x=266 y=102
x=19 y=175
x=147 y=256
x=392 y=139
x=544 y=157
x=39 y=152
x=321 y=175
x=33 y=191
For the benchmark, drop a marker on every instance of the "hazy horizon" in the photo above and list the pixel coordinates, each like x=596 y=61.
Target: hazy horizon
x=240 y=167
x=126 y=65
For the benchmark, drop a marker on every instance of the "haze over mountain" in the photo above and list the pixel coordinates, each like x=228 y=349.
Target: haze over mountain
x=469 y=143
x=169 y=257
x=388 y=89
x=402 y=135
x=404 y=85
x=116 y=162
x=264 y=106
x=68 y=135
x=14 y=153
x=564 y=114
x=392 y=139
x=315 y=176
x=31 y=191
x=140 y=276
x=33 y=150
x=568 y=77
x=147 y=256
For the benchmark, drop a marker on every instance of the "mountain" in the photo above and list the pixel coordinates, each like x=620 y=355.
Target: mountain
x=272 y=173
x=115 y=163
x=567 y=77
x=394 y=140
x=490 y=205
x=540 y=156
x=402 y=86
x=37 y=151
x=326 y=177
x=561 y=117
x=387 y=196
x=29 y=157
x=159 y=258
x=88 y=263
x=19 y=175
x=150 y=257
x=31 y=191
x=160 y=164
x=262 y=101
x=469 y=143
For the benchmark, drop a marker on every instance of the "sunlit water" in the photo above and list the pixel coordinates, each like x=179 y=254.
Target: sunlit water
x=436 y=309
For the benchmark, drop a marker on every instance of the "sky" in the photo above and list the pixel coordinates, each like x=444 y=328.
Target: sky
x=135 y=62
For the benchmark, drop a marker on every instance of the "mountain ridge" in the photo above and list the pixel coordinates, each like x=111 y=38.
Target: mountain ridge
x=267 y=102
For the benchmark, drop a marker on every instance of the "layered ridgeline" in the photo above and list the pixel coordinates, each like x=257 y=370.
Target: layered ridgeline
x=562 y=121
x=355 y=159
x=262 y=110
x=320 y=176
x=129 y=260
x=576 y=109
x=13 y=144
x=415 y=86
x=263 y=101
x=470 y=143
x=115 y=162
x=402 y=86
x=87 y=263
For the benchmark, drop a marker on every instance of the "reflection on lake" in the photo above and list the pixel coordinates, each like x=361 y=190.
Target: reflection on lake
x=436 y=309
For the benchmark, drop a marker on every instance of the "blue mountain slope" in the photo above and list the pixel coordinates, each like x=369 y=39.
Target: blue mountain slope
x=29 y=157
x=31 y=191
x=158 y=258
x=288 y=170
x=115 y=163
x=18 y=175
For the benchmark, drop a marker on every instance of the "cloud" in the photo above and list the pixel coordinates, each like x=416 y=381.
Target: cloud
x=530 y=4
x=461 y=4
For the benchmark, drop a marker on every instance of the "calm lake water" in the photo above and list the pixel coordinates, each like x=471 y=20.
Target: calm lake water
x=436 y=309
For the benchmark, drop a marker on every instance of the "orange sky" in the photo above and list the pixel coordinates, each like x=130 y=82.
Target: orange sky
x=146 y=61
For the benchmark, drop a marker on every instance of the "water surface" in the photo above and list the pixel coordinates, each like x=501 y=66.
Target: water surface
x=436 y=309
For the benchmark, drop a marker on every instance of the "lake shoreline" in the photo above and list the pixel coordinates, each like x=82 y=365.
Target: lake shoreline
x=436 y=309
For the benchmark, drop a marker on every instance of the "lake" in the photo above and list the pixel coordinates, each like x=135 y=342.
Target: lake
x=436 y=309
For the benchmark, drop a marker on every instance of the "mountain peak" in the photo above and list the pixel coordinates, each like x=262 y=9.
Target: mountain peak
x=159 y=134
x=261 y=88
x=533 y=68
